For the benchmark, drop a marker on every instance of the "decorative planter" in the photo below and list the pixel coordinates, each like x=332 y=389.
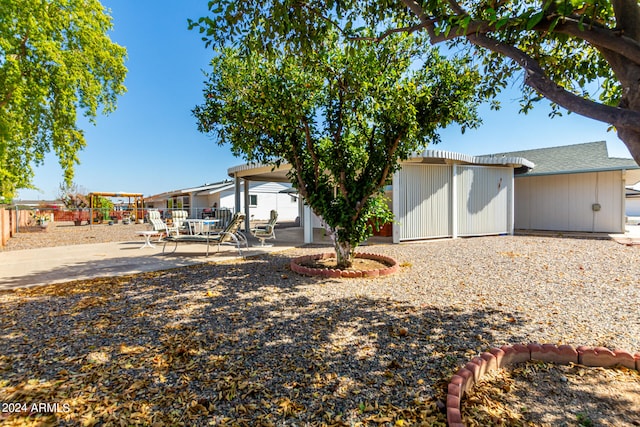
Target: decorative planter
x=296 y=265
x=499 y=358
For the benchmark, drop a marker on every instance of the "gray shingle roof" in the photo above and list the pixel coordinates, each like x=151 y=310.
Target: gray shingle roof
x=591 y=156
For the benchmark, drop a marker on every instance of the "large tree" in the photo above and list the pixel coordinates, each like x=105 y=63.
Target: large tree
x=341 y=115
x=582 y=55
x=56 y=59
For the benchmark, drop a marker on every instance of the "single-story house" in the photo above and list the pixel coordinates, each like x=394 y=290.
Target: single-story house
x=435 y=194
x=573 y=188
x=199 y=201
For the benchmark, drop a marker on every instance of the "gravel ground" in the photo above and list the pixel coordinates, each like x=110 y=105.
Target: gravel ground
x=66 y=233
x=251 y=343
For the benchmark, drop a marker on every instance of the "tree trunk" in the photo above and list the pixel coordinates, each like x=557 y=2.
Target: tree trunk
x=344 y=254
x=632 y=140
x=629 y=76
x=344 y=251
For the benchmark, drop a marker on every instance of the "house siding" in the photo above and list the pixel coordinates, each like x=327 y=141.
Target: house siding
x=632 y=207
x=435 y=201
x=484 y=200
x=269 y=197
x=564 y=202
x=424 y=195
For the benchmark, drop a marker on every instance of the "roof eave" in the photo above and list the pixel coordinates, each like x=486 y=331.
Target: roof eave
x=514 y=162
x=567 y=172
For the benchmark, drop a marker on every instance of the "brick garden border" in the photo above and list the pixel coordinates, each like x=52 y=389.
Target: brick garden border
x=335 y=273
x=498 y=358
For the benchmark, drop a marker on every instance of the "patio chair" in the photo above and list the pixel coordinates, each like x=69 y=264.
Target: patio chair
x=266 y=231
x=160 y=226
x=224 y=215
x=179 y=219
x=231 y=235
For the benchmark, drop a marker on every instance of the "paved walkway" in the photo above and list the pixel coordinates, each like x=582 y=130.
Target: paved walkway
x=35 y=267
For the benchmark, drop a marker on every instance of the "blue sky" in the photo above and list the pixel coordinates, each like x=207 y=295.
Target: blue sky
x=150 y=144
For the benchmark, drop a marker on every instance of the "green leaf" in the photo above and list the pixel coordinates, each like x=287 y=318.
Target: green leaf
x=534 y=20
x=553 y=24
x=501 y=22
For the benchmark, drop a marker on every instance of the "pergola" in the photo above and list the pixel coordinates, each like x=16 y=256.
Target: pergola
x=259 y=172
x=435 y=194
x=138 y=200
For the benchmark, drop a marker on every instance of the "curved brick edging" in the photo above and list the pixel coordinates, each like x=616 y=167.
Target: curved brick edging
x=498 y=358
x=335 y=273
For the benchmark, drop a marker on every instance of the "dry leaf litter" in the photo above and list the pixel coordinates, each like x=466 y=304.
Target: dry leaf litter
x=249 y=343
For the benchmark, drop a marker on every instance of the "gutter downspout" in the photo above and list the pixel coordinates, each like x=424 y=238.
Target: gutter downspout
x=395 y=207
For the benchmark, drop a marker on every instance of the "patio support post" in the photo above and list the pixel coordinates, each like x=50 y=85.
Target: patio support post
x=308 y=224
x=512 y=203
x=623 y=208
x=247 y=218
x=236 y=187
x=454 y=201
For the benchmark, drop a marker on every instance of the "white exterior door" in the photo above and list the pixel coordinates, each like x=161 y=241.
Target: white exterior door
x=433 y=201
x=484 y=200
x=423 y=202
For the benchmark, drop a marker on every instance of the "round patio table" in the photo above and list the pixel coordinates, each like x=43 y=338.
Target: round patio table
x=148 y=234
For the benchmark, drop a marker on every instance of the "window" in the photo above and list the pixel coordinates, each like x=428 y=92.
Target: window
x=253 y=200
x=179 y=202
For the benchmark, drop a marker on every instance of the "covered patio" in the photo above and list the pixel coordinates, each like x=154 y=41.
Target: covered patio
x=436 y=194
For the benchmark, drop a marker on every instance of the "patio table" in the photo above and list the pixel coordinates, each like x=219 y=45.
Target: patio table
x=201 y=226
x=147 y=237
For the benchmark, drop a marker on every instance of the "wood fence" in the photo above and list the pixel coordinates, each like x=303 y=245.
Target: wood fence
x=14 y=220
x=8 y=224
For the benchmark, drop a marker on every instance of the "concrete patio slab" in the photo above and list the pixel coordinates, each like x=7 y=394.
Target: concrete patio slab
x=35 y=267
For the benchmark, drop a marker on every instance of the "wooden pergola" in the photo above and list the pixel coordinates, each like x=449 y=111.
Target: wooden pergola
x=138 y=201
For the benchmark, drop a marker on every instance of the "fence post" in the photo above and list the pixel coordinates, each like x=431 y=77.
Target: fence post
x=3 y=240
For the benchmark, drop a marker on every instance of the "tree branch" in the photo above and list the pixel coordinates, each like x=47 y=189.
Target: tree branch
x=457 y=8
x=429 y=24
x=538 y=80
x=385 y=172
x=342 y=184
x=337 y=136
x=391 y=153
x=297 y=162
x=312 y=152
x=627 y=15
x=390 y=31
x=417 y=10
x=596 y=35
